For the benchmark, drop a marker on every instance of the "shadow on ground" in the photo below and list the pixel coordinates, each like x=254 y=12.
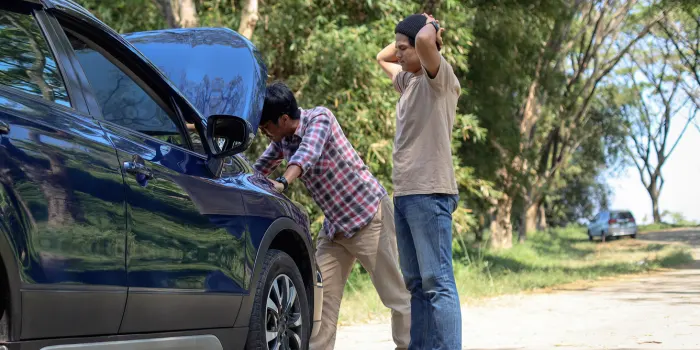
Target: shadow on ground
x=681 y=286
x=689 y=237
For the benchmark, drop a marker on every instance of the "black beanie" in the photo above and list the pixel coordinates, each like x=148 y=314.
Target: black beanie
x=410 y=26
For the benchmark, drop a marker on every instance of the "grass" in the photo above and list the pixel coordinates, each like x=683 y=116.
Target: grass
x=545 y=260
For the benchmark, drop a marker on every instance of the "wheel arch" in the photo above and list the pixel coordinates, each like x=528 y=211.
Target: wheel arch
x=285 y=235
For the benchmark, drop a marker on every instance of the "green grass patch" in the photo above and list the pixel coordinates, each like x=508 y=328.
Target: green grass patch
x=546 y=259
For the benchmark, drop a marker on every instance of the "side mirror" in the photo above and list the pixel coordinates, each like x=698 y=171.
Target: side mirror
x=228 y=135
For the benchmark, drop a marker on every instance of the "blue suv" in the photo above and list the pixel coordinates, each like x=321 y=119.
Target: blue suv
x=128 y=217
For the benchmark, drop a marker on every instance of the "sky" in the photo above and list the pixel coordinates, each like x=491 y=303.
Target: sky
x=681 y=191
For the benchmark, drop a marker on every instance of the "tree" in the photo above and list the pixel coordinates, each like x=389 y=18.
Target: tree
x=249 y=18
x=325 y=53
x=603 y=35
x=579 y=187
x=507 y=37
x=654 y=100
x=166 y=8
x=126 y=16
x=537 y=104
x=186 y=13
x=682 y=27
x=178 y=13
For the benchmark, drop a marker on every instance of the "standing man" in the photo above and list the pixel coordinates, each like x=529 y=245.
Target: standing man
x=426 y=191
x=359 y=216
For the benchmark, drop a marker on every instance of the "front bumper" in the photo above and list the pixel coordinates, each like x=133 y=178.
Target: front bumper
x=318 y=303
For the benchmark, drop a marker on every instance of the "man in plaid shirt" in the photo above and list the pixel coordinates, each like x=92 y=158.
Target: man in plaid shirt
x=359 y=215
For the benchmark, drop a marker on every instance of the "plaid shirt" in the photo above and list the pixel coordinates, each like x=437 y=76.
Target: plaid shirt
x=338 y=180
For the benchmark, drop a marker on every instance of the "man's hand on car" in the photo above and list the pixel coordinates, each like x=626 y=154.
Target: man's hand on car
x=278 y=186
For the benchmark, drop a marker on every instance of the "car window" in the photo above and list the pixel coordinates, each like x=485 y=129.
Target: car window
x=122 y=100
x=26 y=62
x=623 y=215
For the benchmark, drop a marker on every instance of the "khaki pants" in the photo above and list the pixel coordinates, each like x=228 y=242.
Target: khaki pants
x=375 y=247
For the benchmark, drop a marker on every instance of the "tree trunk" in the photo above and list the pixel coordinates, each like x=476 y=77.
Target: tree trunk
x=542 y=218
x=501 y=228
x=528 y=221
x=654 y=195
x=249 y=18
x=187 y=14
x=479 y=234
x=168 y=12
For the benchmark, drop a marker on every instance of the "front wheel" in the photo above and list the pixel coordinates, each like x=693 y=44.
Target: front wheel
x=280 y=317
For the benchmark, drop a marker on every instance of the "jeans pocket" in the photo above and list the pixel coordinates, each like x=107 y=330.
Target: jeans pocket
x=455 y=202
x=450 y=201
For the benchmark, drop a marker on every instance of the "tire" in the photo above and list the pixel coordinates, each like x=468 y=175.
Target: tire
x=633 y=236
x=279 y=269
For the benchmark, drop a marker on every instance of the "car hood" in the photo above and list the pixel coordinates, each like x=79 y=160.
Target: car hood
x=218 y=70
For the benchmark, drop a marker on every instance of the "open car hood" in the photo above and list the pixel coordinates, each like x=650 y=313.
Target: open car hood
x=218 y=70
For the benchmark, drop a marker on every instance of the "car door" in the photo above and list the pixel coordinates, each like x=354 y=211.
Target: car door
x=593 y=224
x=62 y=203
x=603 y=221
x=186 y=227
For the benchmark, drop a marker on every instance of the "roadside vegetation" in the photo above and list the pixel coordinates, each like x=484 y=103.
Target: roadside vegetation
x=546 y=259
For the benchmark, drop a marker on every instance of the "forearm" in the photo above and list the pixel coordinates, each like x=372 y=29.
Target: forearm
x=388 y=61
x=292 y=173
x=427 y=36
x=388 y=54
x=269 y=160
x=427 y=41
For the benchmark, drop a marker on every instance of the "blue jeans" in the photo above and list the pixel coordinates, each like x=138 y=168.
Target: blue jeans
x=424 y=238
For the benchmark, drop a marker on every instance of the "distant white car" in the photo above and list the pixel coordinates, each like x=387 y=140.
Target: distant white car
x=612 y=223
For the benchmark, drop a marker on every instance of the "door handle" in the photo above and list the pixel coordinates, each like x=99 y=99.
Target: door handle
x=4 y=128
x=137 y=169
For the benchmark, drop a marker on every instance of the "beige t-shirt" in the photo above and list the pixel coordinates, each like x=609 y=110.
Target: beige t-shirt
x=425 y=115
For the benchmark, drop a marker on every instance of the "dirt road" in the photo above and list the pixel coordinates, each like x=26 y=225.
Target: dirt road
x=658 y=311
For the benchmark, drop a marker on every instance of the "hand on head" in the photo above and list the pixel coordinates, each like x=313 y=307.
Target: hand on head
x=428 y=19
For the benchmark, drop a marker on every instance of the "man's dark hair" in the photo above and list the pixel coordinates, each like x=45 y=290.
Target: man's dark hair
x=410 y=26
x=279 y=100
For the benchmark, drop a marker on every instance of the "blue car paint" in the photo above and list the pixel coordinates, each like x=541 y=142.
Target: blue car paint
x=73 y=218
x=58 y=171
